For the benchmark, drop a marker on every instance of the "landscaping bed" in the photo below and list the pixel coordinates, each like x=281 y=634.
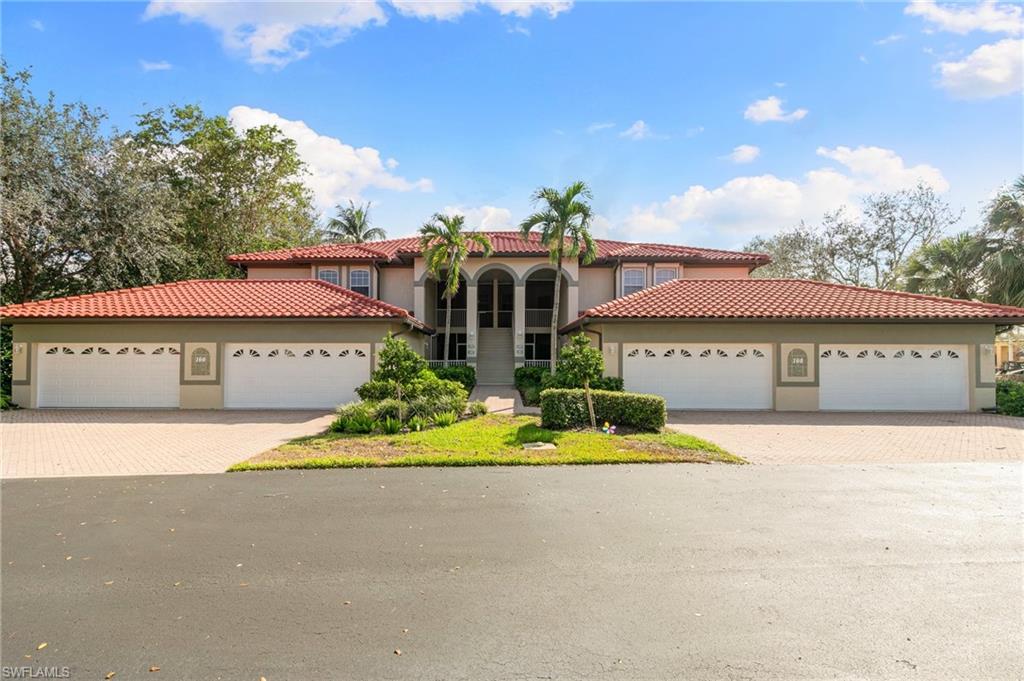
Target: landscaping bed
x=493 y=440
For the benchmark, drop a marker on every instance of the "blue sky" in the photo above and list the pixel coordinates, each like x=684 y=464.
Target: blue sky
x=694 y=123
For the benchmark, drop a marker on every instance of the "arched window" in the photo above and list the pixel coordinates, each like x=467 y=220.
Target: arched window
x=200 y=362
x=797 y=363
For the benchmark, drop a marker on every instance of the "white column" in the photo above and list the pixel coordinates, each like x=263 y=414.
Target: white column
x=572 y=299
x=519 y=323
x=472 y=320
x=419 y=302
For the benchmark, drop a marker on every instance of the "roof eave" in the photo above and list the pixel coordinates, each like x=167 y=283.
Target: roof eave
x=600 y=319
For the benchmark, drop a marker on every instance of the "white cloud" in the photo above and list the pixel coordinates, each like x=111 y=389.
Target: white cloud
x=984 y=16
x=638 y=131
x=37 y=25
x=770 y=109
x=483 y=217
x=449 y=10
x=338 y=171
x=760 y=204
x=154 y=65
x=694 y=131
x=277 y=33
x=891 y=38
x=744 y=153
x=990 y=71
x=598 y=127
x=273 y=33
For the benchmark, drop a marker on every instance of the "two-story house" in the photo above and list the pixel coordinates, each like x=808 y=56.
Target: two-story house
x=303 y=327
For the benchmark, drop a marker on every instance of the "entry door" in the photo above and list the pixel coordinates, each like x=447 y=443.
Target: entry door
x=293 y=375
x=108 y=375
x=701 y=376
x=893 y=377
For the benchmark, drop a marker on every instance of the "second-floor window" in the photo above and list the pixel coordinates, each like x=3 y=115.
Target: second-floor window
x=328 y=275
x=663 y=274
x=633 y=281
x=359 y=281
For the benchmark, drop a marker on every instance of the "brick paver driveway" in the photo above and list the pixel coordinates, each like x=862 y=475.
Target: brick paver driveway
x=780 y=437
x=57 y=442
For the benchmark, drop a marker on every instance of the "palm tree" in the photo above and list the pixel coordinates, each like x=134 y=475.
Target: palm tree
x=1004 y=269
x=948 y=267
x=445 y=250
x=564 y=224
x=352 y=226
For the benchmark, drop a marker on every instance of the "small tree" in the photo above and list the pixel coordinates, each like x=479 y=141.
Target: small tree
x=398 y=363
x=582 y=364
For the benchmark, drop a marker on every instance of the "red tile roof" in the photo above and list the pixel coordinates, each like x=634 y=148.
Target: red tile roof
x=504 y=243
x=216 y=298
x=789 y=299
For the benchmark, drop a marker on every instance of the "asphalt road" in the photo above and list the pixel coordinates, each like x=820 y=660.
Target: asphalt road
x=619 y=572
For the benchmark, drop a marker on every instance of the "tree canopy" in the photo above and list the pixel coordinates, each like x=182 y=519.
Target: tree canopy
x=352 y=225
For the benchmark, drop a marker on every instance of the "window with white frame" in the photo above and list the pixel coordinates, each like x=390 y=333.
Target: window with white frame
x=663 y=274
x=359 y=281
x=328 y=274
x=633 y=280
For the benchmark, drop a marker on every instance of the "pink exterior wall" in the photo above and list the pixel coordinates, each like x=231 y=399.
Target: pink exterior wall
x=704 y=272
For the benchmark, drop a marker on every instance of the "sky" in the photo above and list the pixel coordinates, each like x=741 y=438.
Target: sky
x=693 y=123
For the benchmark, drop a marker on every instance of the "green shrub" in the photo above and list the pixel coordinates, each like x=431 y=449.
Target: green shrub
x=338 y=425
x=389 y=426
x=390 y=409
x=397 y=362
x=567 y=408
x=359 y=423
x=530 y=376
x=445 y=418
x=428 y=385
x=477 y=408
x=531 y=395
x=374 y=391
x=416 y=423
x=463 y=374
x=1010 y=397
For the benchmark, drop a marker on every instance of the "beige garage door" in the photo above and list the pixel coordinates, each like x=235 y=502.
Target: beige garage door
x=294 y=375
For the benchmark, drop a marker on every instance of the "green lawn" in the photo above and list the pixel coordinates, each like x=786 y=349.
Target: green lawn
x=491 y=440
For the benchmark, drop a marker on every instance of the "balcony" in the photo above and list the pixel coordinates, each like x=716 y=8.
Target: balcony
x=538 y=317
x=458 y=317
x=543 y=363
x=438 y=363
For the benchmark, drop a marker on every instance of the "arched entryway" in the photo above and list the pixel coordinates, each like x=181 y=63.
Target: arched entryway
x=495 y=290
x=436 y=316
x=540 y=297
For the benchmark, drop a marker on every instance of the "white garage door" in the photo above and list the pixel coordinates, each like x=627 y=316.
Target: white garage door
x=108 y=375
x=708 y=376
x=893 y=377
x=294 y=376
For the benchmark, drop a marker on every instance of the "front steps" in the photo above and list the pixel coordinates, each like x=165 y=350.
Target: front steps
x=495 y=359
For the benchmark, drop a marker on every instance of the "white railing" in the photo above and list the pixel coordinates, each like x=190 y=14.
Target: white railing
x=545 y=363
x=438 y=363
x=538 y=317
x=458 y=317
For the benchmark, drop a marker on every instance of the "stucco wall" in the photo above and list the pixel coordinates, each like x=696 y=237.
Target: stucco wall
x=199 y=392
x=597 y=286
x=708 y=272
x=802 y=394
x=262 y=272
x=396 y=286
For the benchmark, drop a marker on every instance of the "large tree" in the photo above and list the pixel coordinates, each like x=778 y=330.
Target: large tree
x=867 y=250
x=351 y=225
x=81 y=211
x=949 y=267
x=238 y=191
x=446 y=247
x=1004 y=230
x=563 y=220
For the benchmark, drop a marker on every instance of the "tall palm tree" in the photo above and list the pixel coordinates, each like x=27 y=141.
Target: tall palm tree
x=1004 y=269
x=352 y=226
x=948 y=267
x=445 y=250
x=563 y=220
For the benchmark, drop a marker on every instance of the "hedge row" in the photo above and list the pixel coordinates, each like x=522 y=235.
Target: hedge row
x=1010 y=397
x=567 y=408
x=466 y=375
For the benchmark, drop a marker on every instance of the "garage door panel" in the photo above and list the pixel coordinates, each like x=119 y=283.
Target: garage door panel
x=701 y=376
x=293 y=375
x=108 y=375
x=893 y=377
